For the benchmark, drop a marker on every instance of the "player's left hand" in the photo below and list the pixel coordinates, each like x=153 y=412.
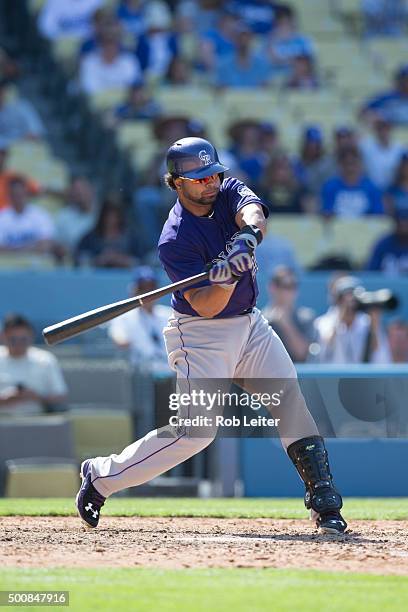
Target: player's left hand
x=242 y=249
x=240 y=258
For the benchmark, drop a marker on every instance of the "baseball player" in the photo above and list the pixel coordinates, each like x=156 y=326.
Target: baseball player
x=216 y=332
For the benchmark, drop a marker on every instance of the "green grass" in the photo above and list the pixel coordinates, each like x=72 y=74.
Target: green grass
x=354 y=508
x=240 y=590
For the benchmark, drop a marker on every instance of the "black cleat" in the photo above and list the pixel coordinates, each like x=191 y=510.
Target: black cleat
x=331 y=522
x=88 y=501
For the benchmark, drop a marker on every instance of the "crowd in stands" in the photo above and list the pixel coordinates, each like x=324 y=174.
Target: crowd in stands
x=134 y=45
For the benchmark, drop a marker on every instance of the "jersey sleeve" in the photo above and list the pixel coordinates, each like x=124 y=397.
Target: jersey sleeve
x=240 y=195
x=180 y=262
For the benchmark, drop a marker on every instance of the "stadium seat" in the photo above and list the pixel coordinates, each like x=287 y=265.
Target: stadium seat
x=388 y=53
x=100 y=432
x=259 y=104
x=302 y=231
x=27 y=261
x=131 y=134
x=315 y=238
x=66 y=51
x=41 y=477
x=190 y=101
x=35 y=5
x=106 y=100
x=99 y=382
x=355 y=237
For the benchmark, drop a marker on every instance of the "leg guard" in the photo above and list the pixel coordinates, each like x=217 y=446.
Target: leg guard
x=309 y=456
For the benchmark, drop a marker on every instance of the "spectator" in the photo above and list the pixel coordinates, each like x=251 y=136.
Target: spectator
x=347 y=336
x=245 y=136
x=390 y=254
x=281 y=190
x=131 y=14
x=158 y=46
x=179 y=72
x=219 y=42
x=139 y=104
x=108 y=67
x=245 y=67
x=393 y=105
x=197 y=16
x=269 y=143
x=18 y=118
x=303 y=75
x=109 y=244
x=293 y=325
x=285 y=42
x=140 y=330
x=25 y=227
x=380 y=154
x=384 y=17
x=9 y=69
x=104 y=27
x=350 y=194
x=344 y=137
x=258 y=15
x=77 y=217
x=396 y=198
x=31 y=380
x=6 y=176
x=314 y=166
x=397 y=331
x=67 y=19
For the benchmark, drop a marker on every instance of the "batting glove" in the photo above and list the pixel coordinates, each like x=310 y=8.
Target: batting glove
x=242 y=249
x=221 y=275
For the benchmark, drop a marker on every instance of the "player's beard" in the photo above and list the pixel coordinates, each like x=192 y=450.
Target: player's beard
x=203 y=200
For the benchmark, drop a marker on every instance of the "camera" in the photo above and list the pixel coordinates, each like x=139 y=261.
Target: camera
x=382 y=298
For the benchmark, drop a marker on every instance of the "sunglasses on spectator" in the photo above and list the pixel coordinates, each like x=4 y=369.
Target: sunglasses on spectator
x=201 y=181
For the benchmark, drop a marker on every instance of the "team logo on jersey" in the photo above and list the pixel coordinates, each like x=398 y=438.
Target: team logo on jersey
x=245 y=191
x=205 y=157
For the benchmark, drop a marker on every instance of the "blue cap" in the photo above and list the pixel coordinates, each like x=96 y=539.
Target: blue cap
x=313 y=134
x=143 y=273
x=343 y=130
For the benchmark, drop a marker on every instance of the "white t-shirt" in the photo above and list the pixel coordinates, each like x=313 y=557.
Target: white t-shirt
x=348 y=344
x=143 y=331
x=38 y=370
x=97 y=76
x=380 y=162
x=59 y=19
x=72 y=224
x=23 y=229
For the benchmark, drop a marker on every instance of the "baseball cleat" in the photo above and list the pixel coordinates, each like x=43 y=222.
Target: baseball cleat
x=88 y=501
x=331 y=522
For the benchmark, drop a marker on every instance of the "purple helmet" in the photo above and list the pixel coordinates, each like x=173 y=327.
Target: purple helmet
x=193 y=158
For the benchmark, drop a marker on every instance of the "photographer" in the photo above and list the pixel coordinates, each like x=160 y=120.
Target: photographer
x=346 y=334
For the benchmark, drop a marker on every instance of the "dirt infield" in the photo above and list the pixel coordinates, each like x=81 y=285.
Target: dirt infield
x=379 y=547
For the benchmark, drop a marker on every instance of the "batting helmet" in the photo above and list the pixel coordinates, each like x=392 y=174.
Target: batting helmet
x=193 y=158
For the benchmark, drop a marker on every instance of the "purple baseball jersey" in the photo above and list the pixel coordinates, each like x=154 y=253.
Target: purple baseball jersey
x=188 y=244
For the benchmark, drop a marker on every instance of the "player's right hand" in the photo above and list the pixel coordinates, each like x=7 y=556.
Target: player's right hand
x=221 y=275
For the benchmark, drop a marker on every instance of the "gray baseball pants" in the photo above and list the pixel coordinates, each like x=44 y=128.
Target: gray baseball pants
x=243 y=347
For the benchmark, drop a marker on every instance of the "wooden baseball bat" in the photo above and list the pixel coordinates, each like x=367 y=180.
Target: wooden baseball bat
x=81 y=323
